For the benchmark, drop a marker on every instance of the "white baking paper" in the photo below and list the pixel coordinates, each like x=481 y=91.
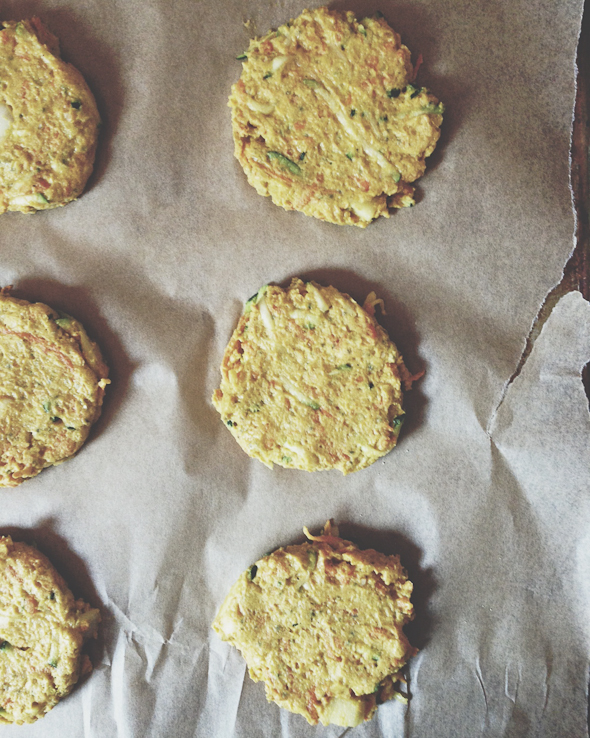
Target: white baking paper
x=485 y=497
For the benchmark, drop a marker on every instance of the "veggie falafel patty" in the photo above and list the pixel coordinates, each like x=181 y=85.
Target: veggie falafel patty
x=42 y=629
x=326 y=119
x=321 y=625
x=311 y=381
x=48 y=121
x=52 y=380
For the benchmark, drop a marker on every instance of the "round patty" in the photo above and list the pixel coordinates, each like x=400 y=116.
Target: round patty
x=52 y=381
x=48 y=121
x=42 y=629
x=321 y=625
x=311 y=381
x=326 y=118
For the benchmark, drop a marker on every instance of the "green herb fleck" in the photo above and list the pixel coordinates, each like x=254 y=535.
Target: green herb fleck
x=375 y=658
x=53 y=663
x=314 y=84
x=229 y=423
x=363 y=30
x=396 y=423
x=267 y=75
x=52 y=595
x=284 y=162
x=394 y=92
x=47 y=406
x=384 y=119
x=396 y=176
x=371 y=385
x=313 y=559
x=349 y=156
x=76 y=104
x=55 y=419
x=342 y=367
x=432 y=109
x=352 y=113
x=254 y=299
x=313 y=405
x=343 y=47
x=63 y=322
x=252 y=572
x=242 y=56
x=302 y=155
x=287 y=459
x=41 y=198
x=70 y=427
x=4 y=646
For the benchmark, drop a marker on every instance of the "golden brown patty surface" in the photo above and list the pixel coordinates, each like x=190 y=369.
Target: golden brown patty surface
x=326 y=118
x=321 y=625
x=48 y=121
x=42 y=629
x=52 y=380
x=311 y=381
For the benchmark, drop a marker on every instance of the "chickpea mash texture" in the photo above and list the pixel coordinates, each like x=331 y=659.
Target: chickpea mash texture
x=327 y=119
x=321 y=625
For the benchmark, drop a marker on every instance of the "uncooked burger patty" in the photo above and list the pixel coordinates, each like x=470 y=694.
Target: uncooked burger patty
x=52 y=381
x=42 y=629
x=48 y=121
x=311 y=381
x=327 y=119
x=321 y=625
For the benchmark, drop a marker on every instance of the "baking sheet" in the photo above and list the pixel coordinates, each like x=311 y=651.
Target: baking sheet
x=485 y=497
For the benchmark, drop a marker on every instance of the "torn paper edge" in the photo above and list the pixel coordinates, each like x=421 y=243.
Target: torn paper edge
x=548 y=303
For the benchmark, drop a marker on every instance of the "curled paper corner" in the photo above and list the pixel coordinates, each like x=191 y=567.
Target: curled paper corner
x=551 y=371
x=555 y=300
x=541 y=454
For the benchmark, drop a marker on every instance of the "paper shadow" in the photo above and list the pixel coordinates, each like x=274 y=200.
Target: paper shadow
x=92 y=58
x=72 y=568
x=77 y=301
x=398 y=323
x=205 y=425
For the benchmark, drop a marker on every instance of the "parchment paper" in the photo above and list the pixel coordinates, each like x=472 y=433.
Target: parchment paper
x=486 y=496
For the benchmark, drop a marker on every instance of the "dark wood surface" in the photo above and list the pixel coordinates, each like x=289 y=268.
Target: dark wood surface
x=577 y=271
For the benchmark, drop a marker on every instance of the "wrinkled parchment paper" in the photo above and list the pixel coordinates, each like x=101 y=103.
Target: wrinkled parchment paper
x=486 y=495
